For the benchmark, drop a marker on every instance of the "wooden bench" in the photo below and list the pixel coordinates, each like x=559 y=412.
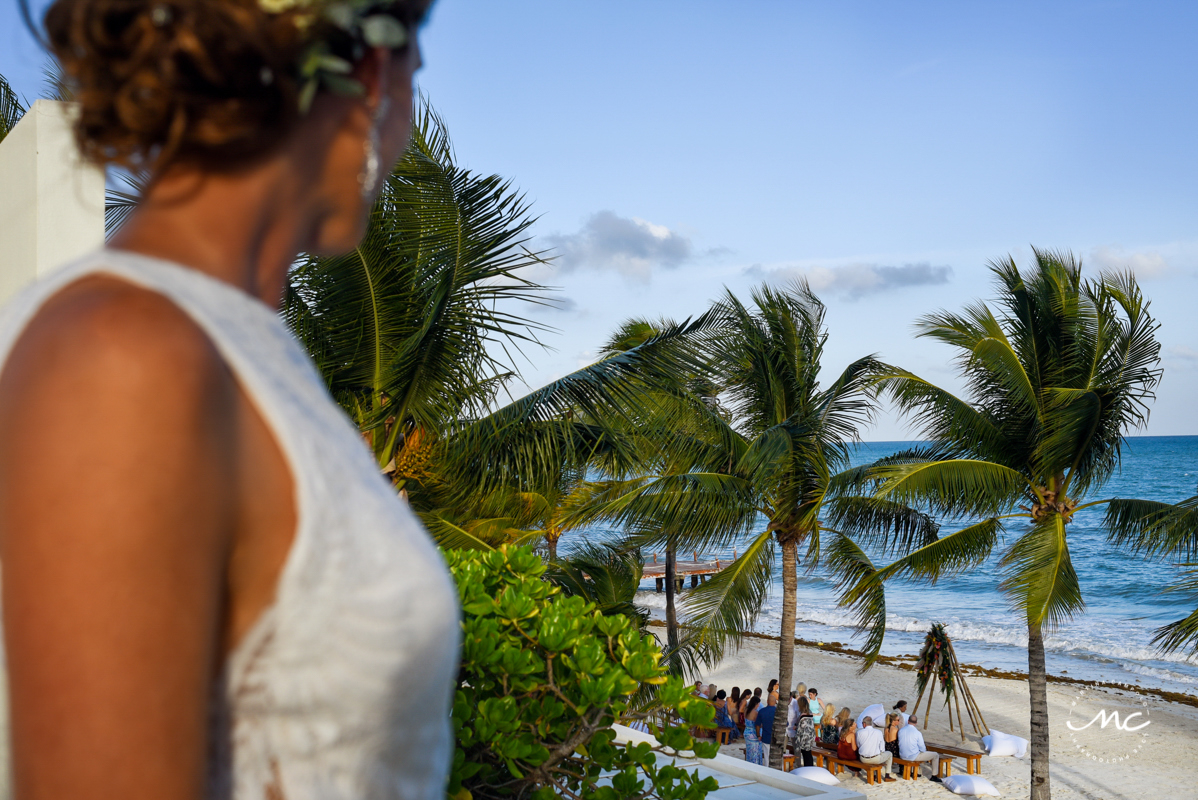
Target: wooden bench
x=788 y=762
x=911 y=768
x=723 y=735
x=836 y=765
x=973 y=759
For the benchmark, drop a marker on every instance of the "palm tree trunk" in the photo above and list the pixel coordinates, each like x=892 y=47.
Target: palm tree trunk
x=551 y=543
x=671 y=613
x=1037 y=681
x=786 y=646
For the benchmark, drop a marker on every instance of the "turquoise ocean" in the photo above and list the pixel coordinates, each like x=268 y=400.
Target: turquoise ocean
x=1126 y=597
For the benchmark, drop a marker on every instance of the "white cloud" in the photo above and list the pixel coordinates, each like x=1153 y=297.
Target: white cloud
x=633 y=247
x=1182 y=353
x=854 y=281
x=1145 y=264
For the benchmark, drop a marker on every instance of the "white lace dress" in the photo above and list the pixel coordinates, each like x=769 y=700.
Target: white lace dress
x=316 y=700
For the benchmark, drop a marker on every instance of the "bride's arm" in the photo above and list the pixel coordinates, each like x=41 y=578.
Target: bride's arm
x=116 y=512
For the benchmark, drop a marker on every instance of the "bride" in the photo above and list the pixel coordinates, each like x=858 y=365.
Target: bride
x=208 y=589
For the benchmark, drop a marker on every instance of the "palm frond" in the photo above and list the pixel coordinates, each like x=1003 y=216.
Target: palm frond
x=862 y=584
x=889 y=526
x=995 y=358
x=1184 y=632
x=947 y=556
x=1071 y=419
x=568 y=419
x=727 y=604
x=692 y=510
x=1154 y=528
x=452 y=536
x=122 y=197
x=12 y=108
x=957 y=487
x=957 y=428
x=861 y=591
x=1041 y=582
x=58 y=85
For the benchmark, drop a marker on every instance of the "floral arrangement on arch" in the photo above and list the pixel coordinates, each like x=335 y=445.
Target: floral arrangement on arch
x=936 y=663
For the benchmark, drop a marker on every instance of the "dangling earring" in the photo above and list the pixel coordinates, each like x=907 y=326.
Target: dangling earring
x=369 y=177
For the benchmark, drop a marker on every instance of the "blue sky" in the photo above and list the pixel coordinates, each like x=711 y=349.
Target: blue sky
x=886 y=151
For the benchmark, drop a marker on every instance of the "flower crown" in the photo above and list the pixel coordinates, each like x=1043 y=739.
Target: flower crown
x=365 y=22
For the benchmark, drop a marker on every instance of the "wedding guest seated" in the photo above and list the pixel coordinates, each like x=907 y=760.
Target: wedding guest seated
x=890 y=734
x=871 y=748
x=723 y=717
x=912 y=748
x=846 y=749
x=829 y=731
x=901 y=708
x=843 y=717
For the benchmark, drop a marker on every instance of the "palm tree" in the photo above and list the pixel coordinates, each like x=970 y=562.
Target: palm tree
x=11 y=108
x=1055 y=379
x=414 y=334
x=407 y=329
x=767 y=469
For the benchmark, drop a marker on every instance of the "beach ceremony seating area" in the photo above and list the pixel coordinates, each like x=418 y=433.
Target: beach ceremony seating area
x=732 y=724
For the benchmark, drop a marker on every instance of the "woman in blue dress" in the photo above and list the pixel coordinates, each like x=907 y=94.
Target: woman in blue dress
x=723 y=718
x=754 y=750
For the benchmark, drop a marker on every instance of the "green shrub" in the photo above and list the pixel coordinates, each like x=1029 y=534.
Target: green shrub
x=543 y=677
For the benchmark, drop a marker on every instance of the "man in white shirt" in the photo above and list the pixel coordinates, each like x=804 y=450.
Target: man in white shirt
x=871 y=748
x=912 y=748
x=792 y=718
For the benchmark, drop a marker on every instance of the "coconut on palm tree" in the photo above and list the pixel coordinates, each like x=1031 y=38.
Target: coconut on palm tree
x=1056 y=374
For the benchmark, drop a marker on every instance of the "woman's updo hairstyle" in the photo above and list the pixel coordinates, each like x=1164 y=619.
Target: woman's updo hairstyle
x=213 y=83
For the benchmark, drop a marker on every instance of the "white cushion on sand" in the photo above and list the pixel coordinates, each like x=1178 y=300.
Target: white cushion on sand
x=817 y=774
x=1004 y=744
x=876 y=712
x=970 y=784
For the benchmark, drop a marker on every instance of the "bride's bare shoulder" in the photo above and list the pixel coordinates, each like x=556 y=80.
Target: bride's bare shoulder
x=101 y=332
x=116 y=368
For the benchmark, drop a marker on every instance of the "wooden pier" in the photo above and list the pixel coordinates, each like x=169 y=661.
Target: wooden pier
x=697 y=570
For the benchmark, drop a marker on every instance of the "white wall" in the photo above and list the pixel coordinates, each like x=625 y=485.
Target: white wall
x=51 y=203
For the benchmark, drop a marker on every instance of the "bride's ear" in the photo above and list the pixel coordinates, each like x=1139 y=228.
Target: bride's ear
x=374 y=72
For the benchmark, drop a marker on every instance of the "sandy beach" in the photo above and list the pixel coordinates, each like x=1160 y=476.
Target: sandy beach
x=1095 y=763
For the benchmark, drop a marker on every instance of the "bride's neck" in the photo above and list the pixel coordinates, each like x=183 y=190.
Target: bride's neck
x=244 y=228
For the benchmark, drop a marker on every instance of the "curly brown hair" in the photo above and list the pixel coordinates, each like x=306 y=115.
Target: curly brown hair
x=208 y=82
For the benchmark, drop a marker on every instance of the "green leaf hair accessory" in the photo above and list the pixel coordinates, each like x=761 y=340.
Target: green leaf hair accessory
x=360 y=20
